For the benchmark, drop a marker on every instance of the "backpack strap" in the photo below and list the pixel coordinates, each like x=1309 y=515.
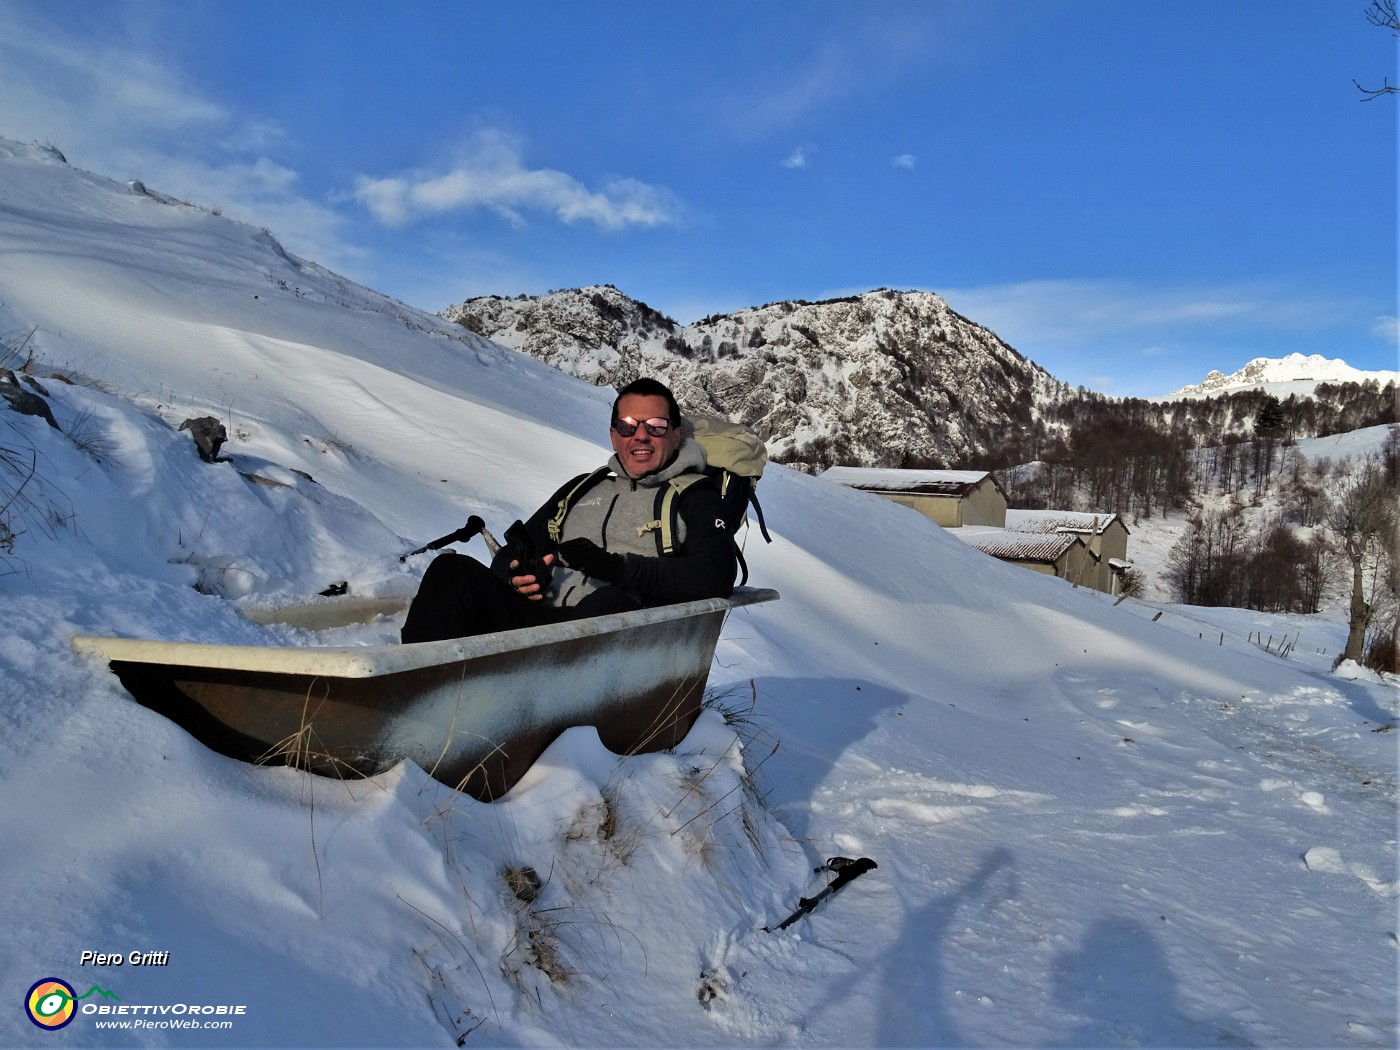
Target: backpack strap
x=758 y=513
x=555 y=525
x=667 y=515
x=666 y=512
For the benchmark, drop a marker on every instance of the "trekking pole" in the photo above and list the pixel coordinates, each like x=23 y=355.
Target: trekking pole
x=471 y=528
x=846 y=869
x=493 y=545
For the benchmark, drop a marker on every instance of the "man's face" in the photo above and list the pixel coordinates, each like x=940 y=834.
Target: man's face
x=641 y=453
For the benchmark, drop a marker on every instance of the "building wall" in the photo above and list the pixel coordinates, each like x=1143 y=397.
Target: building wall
x=985 y=506
x=942 y=510
x=1078 y=565
x=1086 y=563
x=1112 y=542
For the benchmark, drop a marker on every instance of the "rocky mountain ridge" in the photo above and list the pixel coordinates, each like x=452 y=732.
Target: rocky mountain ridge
x=885 y=378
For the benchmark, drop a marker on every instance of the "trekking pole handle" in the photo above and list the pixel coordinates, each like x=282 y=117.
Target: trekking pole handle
x=471 y=528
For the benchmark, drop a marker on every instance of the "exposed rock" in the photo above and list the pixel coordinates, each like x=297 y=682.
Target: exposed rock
x=209 y=436
x=25 y=401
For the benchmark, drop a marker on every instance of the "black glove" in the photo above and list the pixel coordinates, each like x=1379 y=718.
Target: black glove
x=592 y=560
x=528 y=563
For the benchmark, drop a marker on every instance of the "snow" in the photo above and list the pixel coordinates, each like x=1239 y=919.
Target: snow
x=1096 y=823
x=1355 y=445
x=1296 y=374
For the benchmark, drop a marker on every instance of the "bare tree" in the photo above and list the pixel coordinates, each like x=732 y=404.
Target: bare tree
x=1362 y=516
x=1381 y=13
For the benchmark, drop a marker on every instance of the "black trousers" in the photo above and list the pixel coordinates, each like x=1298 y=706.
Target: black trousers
x=460 y=597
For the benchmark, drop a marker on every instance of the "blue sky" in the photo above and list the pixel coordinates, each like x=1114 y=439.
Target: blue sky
x=1129 y=194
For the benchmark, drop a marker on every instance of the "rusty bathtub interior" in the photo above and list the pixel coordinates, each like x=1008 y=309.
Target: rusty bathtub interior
x=475 y=713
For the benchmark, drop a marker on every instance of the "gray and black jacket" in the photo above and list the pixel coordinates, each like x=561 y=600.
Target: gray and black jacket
x=622 y=515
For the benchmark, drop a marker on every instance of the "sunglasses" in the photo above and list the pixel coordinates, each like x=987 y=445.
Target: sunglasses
x=657 y=427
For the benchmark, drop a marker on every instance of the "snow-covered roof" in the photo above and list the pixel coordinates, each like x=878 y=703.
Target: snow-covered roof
x=892 y=479
x=1059 y=521
x=1016 y=546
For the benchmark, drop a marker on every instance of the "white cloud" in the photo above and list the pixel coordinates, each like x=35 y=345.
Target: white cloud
x=121 y=109
x=491 y=174
x=57 y=86
x=816 y=83
x=798 y=158
x=844 y=52
x=1388 y=328
x=906 y=161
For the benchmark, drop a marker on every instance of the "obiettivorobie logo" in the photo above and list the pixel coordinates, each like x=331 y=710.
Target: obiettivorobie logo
x=52 y=1003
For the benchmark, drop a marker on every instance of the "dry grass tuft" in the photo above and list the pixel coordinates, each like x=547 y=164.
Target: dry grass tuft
x=699 y=830
x=524 y=882
x=538 y=945
x=87 y=435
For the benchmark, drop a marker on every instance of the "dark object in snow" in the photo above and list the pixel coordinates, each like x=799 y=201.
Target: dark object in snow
x=847 y=870
x=712 y=986
x=23 y=401
x=336 y=588
x=209 y=436
x=471 y=528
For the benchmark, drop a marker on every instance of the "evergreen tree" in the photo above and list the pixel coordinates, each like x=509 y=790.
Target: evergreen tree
x=1270 y=424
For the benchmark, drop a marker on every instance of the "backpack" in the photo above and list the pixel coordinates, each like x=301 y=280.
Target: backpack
x=734 y=457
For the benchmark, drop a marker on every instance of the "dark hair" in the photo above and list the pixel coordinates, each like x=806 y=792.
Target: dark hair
x=646 y=387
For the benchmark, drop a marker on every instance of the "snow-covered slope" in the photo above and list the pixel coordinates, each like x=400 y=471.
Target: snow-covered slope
x=1296 y=374
x=1095 y=824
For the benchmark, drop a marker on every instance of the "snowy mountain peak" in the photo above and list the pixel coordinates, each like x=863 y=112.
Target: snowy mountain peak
x=883 y=378
x=1295 y=374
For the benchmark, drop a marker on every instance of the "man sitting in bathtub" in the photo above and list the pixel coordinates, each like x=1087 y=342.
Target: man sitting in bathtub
x=599 y=537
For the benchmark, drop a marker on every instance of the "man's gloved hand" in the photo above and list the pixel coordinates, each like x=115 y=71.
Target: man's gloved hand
x=592 y=560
